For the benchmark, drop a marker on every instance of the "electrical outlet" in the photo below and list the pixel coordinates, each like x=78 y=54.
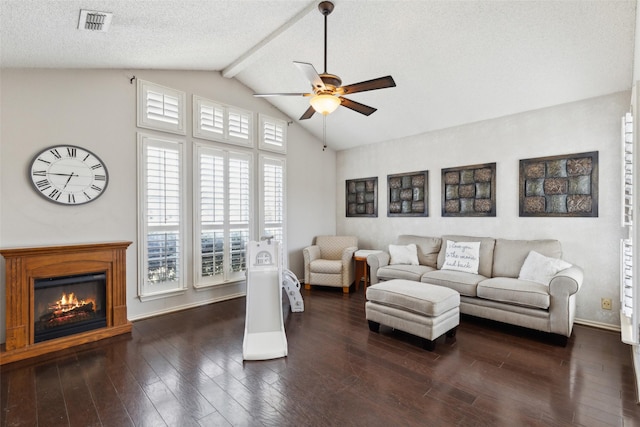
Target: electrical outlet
x=606 y=303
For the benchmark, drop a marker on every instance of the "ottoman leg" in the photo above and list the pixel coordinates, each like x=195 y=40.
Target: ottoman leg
x=452 y=332
x=428 y=344
x=374 y=326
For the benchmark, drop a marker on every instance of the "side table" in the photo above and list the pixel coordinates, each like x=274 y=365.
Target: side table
x=361 y=267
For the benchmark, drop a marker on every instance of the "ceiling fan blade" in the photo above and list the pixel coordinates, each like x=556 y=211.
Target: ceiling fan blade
x=311 y=74
x=307 y=114
x=356 y=106
x=263 y=95
x=379 y=83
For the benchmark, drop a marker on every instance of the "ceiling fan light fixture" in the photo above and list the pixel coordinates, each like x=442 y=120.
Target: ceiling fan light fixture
x=325 y=104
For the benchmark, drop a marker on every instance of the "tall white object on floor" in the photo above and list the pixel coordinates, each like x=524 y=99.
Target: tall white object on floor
x=291 y=286
x=264 y=336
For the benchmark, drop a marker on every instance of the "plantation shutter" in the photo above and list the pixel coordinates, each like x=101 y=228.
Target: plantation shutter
x=273 y=134
x=160 y=108
x=163 y=221
x=273 y=197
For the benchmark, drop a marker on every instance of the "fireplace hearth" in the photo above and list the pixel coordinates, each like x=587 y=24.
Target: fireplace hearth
x=62 y=296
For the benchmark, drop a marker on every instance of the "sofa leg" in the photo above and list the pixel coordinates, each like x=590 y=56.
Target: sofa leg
x=559 y=340
x=345 y=289
x=428 y=344
x=307 y=286
x=452 y=332
x=374 y=326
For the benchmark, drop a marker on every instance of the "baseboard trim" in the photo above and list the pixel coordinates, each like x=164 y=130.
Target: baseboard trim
x=598 y=325
x=186 y=306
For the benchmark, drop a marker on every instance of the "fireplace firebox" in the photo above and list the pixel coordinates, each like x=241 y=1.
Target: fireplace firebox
x=69 y=305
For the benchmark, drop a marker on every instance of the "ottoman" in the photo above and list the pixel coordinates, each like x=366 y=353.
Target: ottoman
x=421 y=309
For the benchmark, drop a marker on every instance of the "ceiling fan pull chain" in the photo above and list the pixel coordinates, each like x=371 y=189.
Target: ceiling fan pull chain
x=324 y=132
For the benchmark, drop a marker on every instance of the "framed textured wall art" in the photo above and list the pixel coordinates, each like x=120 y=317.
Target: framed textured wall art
x=408 y=194
x=565 y=186
x=362 y=197
x=469 y=190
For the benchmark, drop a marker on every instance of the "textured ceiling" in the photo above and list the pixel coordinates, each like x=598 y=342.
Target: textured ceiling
x=454 y=62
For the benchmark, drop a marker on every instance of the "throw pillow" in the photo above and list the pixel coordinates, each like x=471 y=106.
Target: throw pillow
x=541 y=269
x=462 y=256
x=404 y=254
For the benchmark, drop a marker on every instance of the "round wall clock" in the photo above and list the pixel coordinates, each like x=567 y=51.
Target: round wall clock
x=68 y=175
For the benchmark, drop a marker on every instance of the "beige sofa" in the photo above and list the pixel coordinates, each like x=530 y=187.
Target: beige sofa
x=495 y=292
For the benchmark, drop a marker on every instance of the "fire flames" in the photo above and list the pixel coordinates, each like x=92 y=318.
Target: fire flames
x=67 y=310
x=70 y=302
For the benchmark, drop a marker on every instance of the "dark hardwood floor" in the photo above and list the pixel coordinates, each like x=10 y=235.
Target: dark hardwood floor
x=186 y=369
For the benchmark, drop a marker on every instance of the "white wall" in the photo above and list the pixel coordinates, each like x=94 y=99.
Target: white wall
x=96 y=109
x=592 y=243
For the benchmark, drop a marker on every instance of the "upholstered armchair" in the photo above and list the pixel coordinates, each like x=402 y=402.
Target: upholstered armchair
x=329 y=262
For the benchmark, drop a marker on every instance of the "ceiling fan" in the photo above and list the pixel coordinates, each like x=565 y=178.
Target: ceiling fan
x=327 y=88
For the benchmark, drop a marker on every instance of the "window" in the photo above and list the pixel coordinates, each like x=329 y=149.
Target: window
x=161 y=204
x=233 y=192
x=223 y=123
x=223 y=206
x=160 y=108
x=272 y=193
x=273 y=134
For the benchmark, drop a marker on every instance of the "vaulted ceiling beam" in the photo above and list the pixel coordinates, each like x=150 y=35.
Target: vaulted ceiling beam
x=249 y=56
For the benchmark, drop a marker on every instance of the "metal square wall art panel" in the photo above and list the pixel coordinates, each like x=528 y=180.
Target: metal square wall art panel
x=362 y=197
x=408 y=194
x=469 y=190
x=565 y=185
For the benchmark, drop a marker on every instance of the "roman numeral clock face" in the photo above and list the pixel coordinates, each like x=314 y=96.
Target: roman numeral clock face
x=68 y=175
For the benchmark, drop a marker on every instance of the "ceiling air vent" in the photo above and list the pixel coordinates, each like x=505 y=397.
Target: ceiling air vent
x=91 y=20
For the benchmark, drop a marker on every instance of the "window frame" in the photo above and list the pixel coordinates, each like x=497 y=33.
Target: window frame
x=264 y=142
x=263 y=160
x=142 y=113
x=146 y=290
x=225 y=135
x=228 y=277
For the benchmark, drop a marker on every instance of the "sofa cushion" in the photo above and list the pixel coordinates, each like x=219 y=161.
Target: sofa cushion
x=403 y=254
x=509 y=255
x=399 y=271
x=462 y=256
x=326 y=266
x=428 y=248
x=464 y=283
x=541 y=269
x=486 y=252
x=515 y=291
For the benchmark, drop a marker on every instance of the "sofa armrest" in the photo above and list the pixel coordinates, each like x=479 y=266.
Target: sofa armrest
x=347 y=266
x=567 y=281
x=347 y=255
x=562 y=308
x=376 y=261
x=310 y=253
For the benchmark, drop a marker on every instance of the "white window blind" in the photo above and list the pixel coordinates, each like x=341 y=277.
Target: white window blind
x=629 y=314
x=223 y=227
x=160 y=108
x=161 y=205
x=273 y=134
x=218 y=122
x=272 y=192
x=211 y=119
x=627 y=170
